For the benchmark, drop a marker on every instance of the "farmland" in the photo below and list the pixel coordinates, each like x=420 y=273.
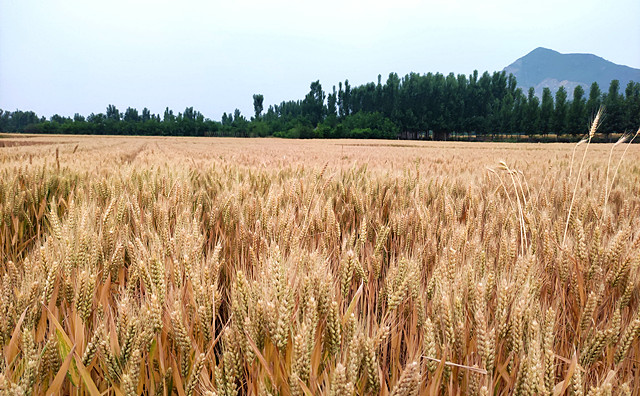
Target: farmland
x=261 y=266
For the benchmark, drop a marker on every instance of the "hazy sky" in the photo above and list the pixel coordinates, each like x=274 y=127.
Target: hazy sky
x=79 y=56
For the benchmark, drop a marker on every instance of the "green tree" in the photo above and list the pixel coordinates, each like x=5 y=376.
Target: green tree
x=240 y=124
x=379 y=93
x=576 y=120
x=532 y=114
x=332 y=99
x=499 y=85
x=113 y=113
x=632 y=106
x=390 y=94
x=131 y=115
x=258 y=129
x=344 y=99
x=519 y=111
x=484 y=102
x=227 y=120
x=58 y=119
x=546 y=111
x=346 y=102
x=257 y=105
x=146 y=115
x=560 y=113
x=313 y=104
x=613 y=102
x=168 y=115
x=595 y=100
x=505 y=117
x=168 y=123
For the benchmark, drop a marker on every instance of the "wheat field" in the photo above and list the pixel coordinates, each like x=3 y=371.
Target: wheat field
x=187 y=266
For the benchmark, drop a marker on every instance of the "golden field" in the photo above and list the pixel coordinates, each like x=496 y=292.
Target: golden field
x=227 y=266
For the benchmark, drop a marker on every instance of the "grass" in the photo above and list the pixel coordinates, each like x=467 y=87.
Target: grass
x=260 y=266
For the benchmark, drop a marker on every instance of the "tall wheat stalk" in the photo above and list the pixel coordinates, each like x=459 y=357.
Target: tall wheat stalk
x=592 y=132
x=608 y=186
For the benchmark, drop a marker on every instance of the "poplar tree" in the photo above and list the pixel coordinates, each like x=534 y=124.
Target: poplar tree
x=560 y=114
x=576 y=121
x=546 y=111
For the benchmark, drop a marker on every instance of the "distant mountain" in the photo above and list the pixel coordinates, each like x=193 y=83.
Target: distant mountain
x=543 y=67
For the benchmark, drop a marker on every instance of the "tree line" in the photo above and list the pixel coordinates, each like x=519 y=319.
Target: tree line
x=415 y=106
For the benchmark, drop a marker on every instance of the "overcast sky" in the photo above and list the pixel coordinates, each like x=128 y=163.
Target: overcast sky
x=79 y=56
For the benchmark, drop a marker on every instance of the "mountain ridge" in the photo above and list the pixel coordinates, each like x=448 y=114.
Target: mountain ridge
x=547 y=68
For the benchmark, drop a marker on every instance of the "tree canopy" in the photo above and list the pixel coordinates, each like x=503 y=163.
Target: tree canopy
x=431 y=105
